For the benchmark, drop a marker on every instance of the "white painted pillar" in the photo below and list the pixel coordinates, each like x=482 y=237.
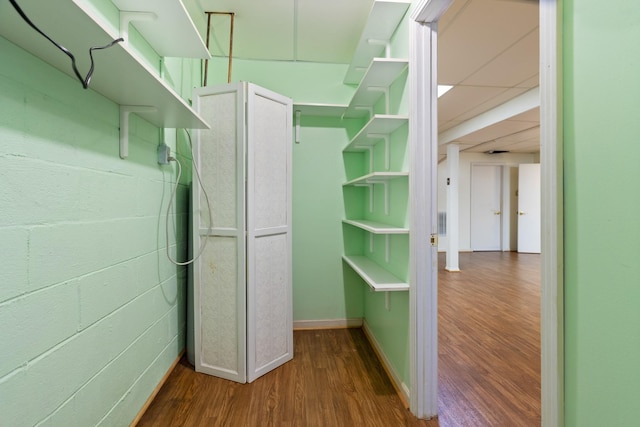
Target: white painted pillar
x=453 y=224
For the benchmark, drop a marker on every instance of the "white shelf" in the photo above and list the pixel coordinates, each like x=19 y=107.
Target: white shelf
x=376 y=177
x=371 y=133
x=376 y=227
x=171 y=32
x=379 y=76
x=118 y=75
x=379 y=279
x=322 y=110
x=384 y=18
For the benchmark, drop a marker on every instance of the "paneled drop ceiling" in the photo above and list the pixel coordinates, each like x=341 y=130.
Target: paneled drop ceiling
x=488 y=50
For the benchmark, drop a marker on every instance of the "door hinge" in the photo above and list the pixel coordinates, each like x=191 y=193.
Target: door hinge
x=434 y=240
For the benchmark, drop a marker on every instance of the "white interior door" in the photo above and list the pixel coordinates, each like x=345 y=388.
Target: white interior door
x=219 y=275
x=486 y=207
x=529 y=208
x=269 y=270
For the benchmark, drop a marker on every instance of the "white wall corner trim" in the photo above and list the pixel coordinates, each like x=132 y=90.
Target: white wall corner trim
x=551 y=161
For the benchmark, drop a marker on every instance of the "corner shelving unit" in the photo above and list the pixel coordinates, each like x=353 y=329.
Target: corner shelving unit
x=382 y=22
x=374 y=77
x=119 y=74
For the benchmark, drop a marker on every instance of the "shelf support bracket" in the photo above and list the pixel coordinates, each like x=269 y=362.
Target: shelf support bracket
x=385 y=92
x=370 y=185
x=387 y=300
x=387 y=246
x=384 y=43
x=126 y=17
x=371 y=243
x=125 y=110
x=367 y=109
x=386 y=194
x=385 y=137
x=370 y=150
x=298 y=114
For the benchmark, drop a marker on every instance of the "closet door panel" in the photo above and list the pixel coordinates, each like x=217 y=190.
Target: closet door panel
x=272 y=327
x=220 y=273
x=269 y=139
x=219 y=296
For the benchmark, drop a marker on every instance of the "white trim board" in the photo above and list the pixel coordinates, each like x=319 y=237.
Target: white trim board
x=302 y=325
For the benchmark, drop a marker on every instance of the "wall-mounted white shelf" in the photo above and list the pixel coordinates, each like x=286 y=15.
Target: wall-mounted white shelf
x=118 y=75
x=379 y=76
x=384 y=18
x=166 y=25
x=376 y=227
x=376 y=178
x=373 y=132
x=320 y=110
x=379 y=279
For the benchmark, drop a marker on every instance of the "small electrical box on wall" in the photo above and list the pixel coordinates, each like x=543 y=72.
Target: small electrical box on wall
x=164 y=152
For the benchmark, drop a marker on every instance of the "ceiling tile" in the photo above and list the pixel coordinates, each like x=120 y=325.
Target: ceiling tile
x=329 y=30
x=480 y=32
x=496 y=131
x=262 y=30
x=516 y=64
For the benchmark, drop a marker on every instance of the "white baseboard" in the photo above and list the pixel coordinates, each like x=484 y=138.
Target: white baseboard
x=399 y=385
x=299 y=325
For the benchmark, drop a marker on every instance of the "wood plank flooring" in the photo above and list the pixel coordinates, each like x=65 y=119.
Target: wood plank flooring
x=489 y=341
x=489 y=358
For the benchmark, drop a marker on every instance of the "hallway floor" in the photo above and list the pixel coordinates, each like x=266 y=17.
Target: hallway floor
x=489 y=365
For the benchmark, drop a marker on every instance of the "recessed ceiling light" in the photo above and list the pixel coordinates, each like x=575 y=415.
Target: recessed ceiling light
x=442 y=89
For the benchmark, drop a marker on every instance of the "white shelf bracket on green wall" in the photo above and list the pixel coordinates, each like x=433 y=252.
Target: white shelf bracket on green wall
x=297 y=138
x=387 y=300
x=385 y=92
x=126 y=17
x=386 y=194
x=387 y=246
x=370 y=185
x=385 y=137
x=125 y=110
x=385 y=43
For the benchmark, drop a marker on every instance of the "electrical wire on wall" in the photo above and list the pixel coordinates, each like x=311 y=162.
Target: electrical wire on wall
x=84 y=80
x=173 y=194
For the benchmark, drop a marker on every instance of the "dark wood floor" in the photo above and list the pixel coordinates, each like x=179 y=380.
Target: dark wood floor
x=489 y=359
x=489 y=341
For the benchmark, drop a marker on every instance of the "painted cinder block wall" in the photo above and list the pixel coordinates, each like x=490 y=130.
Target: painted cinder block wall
x=601 y=98
x=91 y=311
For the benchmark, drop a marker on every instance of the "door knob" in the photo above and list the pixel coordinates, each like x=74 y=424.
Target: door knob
x=521 y=213
x=497 y=213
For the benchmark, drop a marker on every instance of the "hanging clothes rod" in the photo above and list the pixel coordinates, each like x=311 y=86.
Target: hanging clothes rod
x=232 y=16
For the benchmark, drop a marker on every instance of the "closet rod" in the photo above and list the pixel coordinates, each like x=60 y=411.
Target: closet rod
x=232 y=16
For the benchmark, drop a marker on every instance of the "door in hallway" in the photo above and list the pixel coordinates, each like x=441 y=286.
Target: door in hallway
x=529 y=208
x=486 y=207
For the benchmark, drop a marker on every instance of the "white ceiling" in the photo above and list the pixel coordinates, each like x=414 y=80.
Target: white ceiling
x=488 y=49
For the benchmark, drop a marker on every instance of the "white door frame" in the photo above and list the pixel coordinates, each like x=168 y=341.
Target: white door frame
x=423 y=141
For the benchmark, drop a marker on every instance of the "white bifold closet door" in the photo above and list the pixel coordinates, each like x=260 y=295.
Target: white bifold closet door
x=242 y=312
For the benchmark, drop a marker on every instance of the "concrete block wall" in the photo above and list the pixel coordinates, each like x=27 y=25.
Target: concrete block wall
x=91 y=310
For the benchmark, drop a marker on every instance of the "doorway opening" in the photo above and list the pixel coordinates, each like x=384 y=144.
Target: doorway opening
x=424 y=59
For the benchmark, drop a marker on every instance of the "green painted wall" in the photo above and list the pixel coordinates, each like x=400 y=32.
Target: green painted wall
x=323 y=286
x=602 y=201
x=91 y=311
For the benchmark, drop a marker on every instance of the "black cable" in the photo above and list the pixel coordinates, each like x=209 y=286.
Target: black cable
x=85 y=81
